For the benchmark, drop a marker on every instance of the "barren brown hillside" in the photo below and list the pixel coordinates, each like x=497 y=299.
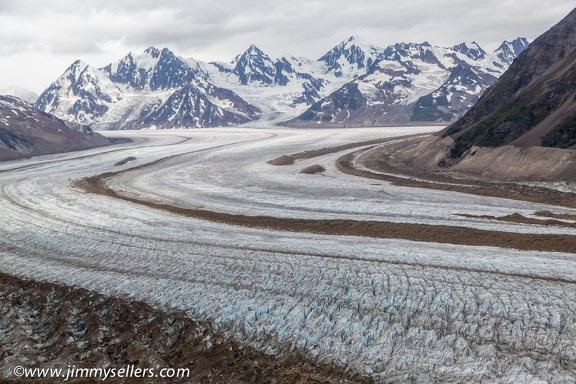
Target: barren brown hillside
x=25 y=132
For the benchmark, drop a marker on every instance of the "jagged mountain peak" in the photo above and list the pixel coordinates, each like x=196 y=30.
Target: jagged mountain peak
x=406 y=53
x=517 y=45
x=471 y=50
x=84 y=89
x=138 y=86
x=410 y=82
x=254 y=50
x=75 y=68
x=152 y=51
x=251 y=52
x=355 y=40
x=509 y=50
x=79 y=78
x=153 y=69
x=406 y=50
x=351 y=57
x=254 y=66
x=395 y=76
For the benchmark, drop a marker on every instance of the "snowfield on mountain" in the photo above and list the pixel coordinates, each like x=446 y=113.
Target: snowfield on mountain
x=353 y=84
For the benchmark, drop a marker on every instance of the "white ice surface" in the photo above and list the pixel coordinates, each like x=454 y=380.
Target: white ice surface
x=393 y=308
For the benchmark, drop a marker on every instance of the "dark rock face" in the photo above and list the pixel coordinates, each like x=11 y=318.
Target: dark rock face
x=238 y=103
x=533 y=103
x=352 y=51
x=283 y=67
x=474 y=52
x=188 y=107
x=346 y=98
x=25 y=131
x=509 y=50
x=170 y=72
x=128 y=73
x=254 y=66
x=164 y=71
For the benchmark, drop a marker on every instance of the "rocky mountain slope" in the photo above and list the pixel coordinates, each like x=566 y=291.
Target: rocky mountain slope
x=522 y=129
x=355 y=83
x=25 y=131
x=409 y=83
x=533 y=103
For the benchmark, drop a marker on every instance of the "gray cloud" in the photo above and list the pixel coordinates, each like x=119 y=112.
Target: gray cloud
x=102 y=31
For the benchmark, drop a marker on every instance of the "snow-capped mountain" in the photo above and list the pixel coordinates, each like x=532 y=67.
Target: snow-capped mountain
x=187 y=107
x=139 y=90
x=354 y=83
x=153 y=70
x=254 y=66
x=280 y=88
x=82 y=94
x=351 y=57
x=472 y=50
x=413 y=83
x=456 y=95
x=509 y=50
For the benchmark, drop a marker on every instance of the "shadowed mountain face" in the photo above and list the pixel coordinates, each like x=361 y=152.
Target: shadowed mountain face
x=532 y=104
x=25 y=132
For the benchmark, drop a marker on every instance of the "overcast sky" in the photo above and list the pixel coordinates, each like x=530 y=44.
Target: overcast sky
x=39 y=39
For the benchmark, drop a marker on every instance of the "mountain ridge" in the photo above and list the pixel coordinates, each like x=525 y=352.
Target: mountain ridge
x=411 y=83
x=254 y=88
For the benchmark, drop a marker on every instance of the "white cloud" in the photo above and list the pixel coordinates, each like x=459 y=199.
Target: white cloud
x=54 y=33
